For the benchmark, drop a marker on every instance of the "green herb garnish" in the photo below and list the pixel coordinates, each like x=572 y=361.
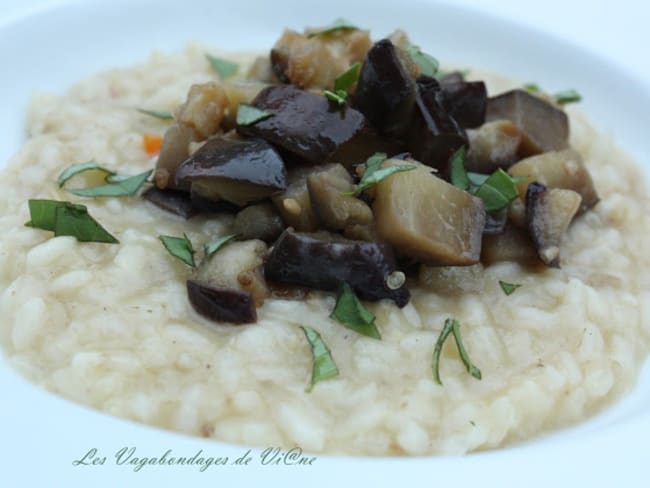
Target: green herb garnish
x=75 y=169
x=323 y=366
x=374 y=173
x=476 y=179
x=428 y=64
x=459 y=176
x=531 y=87
x=350 y=312
x=67 y=219
x=452 y=327
x=249 y=115
x=159 y=114
x=216 y=244
x=337 y=25
x=497 y=191
x=567 y=96
x=224 y=68
x=339 y=96
x=348 y=78
x=179 y=247
x=508 y=288
x=117 y=186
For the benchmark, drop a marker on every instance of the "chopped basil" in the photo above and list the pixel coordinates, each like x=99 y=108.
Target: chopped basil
x=117 y=186
x=218 y=243
x=348 y=78
x=323 y=366
x=224 y=68
x=373 y=173
x=339 y=96
x=567 y=96
x=350 y=312
x=452 y=327
x=337 y=25
x=67 y=219
x=179 y=247
x=159 y=114
x=428 y=64
x=508 y=288
x=459 y=176
x=75 y=169
x=497 y=191
x=476 y=179
x=531 y=87
x=249 y=115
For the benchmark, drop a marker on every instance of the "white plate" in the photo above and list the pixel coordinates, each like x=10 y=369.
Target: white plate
x=47 y=45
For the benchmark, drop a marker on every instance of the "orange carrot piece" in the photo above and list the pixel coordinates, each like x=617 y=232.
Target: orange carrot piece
x=151 y=143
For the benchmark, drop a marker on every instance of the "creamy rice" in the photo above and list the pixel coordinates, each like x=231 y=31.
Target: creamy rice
x=110 y=326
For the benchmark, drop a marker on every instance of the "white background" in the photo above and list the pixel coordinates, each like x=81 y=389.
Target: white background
x=618 y=31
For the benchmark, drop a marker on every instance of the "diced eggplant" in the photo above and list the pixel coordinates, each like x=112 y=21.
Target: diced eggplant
x=452 y=77
x=323 y=261
x=492 y=146
x=364 y=144
x=428 y=219
x=386 y=90
x=557 y=169
x=176 y=202
x=227 y=286
x=512 y=245
x=262 y=71
x=549 y=211
x=222 y=304
x=544 y=126
x=261 y=221
x=238 y=171
x=434 y=135
x=448 y=280
x=464 y=101
x=332 y=206
x=203 y=110
x=173 y=152
x=208 y=204
x=303 y=123
x=495 y=222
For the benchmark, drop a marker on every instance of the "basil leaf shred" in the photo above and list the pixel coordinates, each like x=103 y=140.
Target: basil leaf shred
x=427 y=63
x=498 y=191
x=117 y=186
x=567 y=96
x=217 y=244
x=339 y=96
x=373 y=173
x=158 y=114
x=179 y=247
x=350 y=312
x=67 y=219
x=323 y=366
x=224 y=68
x=75 y=169
x=459 y=176
x=508 y=288
x=249 y=115
x=337 y=25
x=348 y=78
x=452 y=327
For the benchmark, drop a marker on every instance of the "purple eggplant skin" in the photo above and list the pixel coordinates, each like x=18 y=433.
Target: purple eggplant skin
x=495 y=222
x=323 y=262
x=434 y=135
x=221 y=304
x=465 y=102
x=249 y=161
x=172 y=201
x=385 y=90
x=207 y=205
x=303 y=124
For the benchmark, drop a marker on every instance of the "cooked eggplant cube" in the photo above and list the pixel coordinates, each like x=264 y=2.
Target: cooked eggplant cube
x=492 y=146
x=239 y=171
x=465 y=102
x=322 y=261
x=176 y=202
x=434 y=135
x=303 y=124
x=544 y=126
x=173 y=152
x=549 y=211
x=512 y=245
x=261 y=221
x=428 y=219
x=557 y=169
x=222 y=304
x=386 y=90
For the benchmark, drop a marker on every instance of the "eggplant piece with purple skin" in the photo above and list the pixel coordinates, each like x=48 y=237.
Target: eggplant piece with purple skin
x=465 y=102
x=303 y=124
x=386 y=90
x=221 y=305
x=236 y=170
x=323 y=261
x=172 y=201
x=434 y=135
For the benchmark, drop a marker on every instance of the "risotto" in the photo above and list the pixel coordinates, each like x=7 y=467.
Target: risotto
x=111 y=327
